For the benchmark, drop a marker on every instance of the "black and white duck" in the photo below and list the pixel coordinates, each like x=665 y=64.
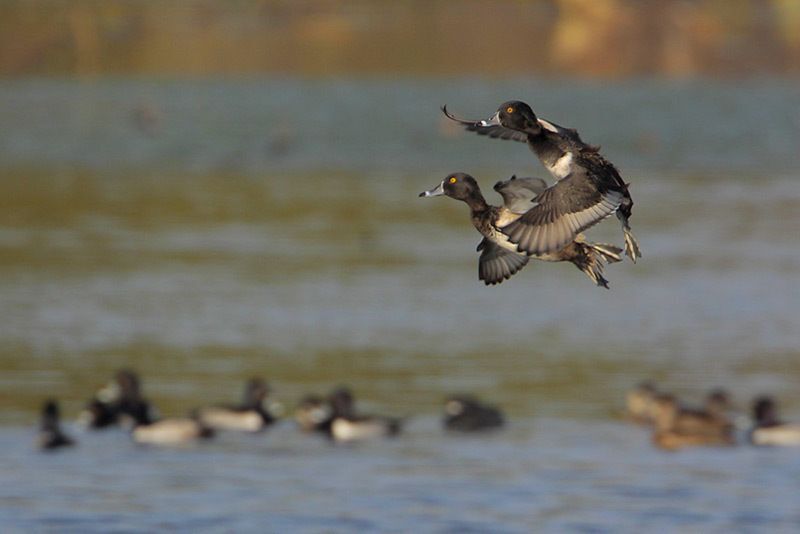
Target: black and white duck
x=465 y=413
x=768 y=429
x=120 y=402
x=251 y=415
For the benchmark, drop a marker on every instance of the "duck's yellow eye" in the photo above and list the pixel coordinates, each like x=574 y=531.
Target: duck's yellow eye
x=453 y=179
x=509 y=109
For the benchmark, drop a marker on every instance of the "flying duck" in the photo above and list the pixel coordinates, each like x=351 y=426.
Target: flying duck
x=500 y=258
x=588 y=188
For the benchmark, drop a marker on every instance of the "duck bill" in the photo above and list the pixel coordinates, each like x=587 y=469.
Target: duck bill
x=435 y=192
x=494 y=120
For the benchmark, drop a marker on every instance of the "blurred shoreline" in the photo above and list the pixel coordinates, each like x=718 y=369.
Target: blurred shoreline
x=582 y=38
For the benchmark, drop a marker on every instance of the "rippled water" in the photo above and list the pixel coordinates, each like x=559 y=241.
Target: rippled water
x=206 y=231
x=544 y=474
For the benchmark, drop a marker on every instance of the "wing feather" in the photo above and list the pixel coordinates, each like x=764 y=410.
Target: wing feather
x=493 y=131
x=497 y=264
x=569 y=207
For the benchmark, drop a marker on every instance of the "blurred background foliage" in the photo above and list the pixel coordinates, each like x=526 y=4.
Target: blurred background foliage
x=607 y=38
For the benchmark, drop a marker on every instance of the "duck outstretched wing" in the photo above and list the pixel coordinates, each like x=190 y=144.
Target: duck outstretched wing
x=497 y=264
x=564 y=210
x=519 y=193
x=495 y=131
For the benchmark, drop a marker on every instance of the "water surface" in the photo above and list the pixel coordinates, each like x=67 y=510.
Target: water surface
x=206 y=231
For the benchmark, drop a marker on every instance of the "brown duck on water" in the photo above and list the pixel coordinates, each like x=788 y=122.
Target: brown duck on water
x=677 y=427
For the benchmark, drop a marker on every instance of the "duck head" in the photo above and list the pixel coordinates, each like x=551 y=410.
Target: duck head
x=123 y=387
x=341 y=402
x=457 y=405
x=764 y=411
x=256 y=391
x=515 y=115
x=459 y=185
x=50 y=415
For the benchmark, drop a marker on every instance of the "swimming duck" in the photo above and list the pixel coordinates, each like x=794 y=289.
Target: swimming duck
x=250 y=416
x=347 y=426
x=588 y=188
x=768 y=429
x=134 y=413
x=465 y=413
x=677 y=427
x=50 y=434
x=499 y=258
x=116 y=403
x=640 y=403
x=125 y=393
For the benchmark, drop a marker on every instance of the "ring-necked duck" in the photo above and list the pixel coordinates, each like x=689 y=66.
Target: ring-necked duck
x=50 y=434
x=499 y=258
x=348 y=426
x=768 y=429
x=252 y=415
x=116 y=403
x=465 y=413
x=677 y=427
x=589 y=187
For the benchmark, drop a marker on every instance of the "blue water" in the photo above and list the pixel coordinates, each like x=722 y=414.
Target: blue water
x=541 y=474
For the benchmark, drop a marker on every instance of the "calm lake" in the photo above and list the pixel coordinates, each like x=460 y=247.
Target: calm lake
x=205 y=231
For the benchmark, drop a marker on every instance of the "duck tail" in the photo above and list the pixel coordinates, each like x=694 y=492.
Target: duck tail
x=592 y=257
x=631 y=244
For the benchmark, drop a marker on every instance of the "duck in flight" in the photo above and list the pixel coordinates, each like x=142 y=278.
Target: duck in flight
x=500 y=258
x=588 y=188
